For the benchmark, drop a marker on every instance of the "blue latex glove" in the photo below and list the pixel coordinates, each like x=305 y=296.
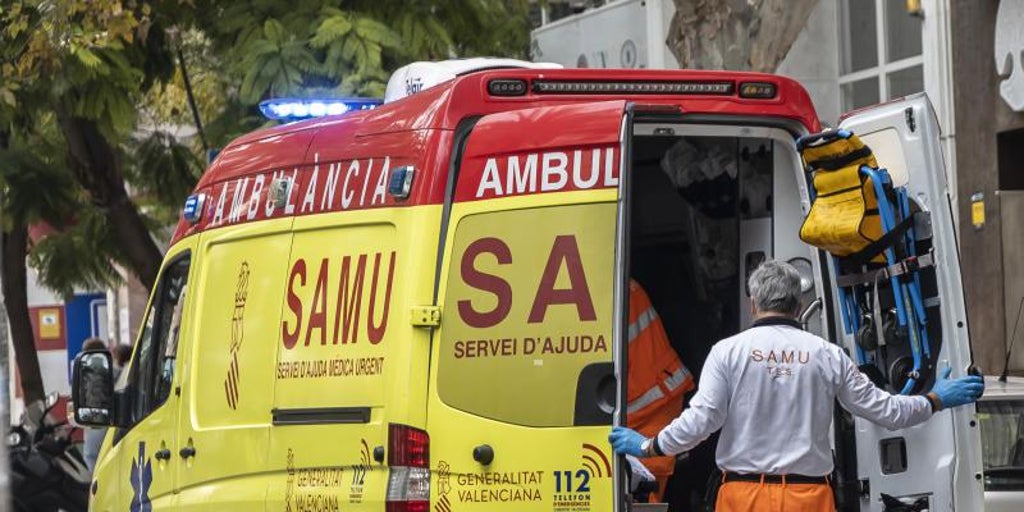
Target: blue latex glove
x=626 y=441
x=960 y=391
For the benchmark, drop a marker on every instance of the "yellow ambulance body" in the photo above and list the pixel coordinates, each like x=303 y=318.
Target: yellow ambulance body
x=414 y=307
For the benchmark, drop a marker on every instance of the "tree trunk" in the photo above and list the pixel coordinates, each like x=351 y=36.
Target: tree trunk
x=15 y=289
x=740 y=35
x=94 y=165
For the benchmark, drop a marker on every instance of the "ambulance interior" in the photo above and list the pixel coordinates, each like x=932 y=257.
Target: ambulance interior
x=701 y=220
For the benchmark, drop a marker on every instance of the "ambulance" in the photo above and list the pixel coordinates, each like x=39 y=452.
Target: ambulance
x=423 y=306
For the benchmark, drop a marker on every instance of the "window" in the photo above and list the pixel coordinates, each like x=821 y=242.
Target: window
x=1010 y=145
x=529 y=313
x=1002 y=444
x=880 y=47
x=148 y=382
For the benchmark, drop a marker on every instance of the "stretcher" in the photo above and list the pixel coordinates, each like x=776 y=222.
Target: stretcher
x=867 y=225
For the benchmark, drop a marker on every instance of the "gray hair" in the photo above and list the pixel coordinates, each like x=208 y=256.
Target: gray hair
x=775 y=287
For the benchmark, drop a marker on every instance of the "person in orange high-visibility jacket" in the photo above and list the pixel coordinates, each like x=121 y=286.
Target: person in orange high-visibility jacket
x=657 y=379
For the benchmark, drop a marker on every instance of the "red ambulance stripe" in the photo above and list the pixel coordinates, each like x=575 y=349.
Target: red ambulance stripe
x=339 y=186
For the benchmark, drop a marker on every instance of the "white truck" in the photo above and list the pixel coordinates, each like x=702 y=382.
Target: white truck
x=625 y=34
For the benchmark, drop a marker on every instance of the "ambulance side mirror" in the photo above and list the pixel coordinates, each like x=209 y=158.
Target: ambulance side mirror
x=809 y=312
x=92 y=389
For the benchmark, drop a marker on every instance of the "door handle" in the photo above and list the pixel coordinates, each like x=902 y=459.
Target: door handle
x=162 y=454
x=809 y=311
x=187 y=452
x=483 y=454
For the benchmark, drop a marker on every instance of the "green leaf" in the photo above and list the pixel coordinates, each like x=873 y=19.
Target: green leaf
x=88 y=58
x=8 y=98
x=163 y=167
x=36 y=189
x=80 y=255
x=274 y=31
x=331 y=30
x=377 y=32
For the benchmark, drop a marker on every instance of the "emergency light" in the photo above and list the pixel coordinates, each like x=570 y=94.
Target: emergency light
x=295 y=109
x=193 y=210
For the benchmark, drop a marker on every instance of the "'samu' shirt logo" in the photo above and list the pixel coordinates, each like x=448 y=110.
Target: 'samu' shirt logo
x=780 y=363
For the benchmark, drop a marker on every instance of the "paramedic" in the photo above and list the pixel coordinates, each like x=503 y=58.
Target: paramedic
x=771 y=389
x=657 y=380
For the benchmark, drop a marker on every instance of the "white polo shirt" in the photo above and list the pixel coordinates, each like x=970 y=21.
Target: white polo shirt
x=771 y=389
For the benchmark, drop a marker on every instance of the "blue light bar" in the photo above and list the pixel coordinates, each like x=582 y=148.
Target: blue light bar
x=294 y=109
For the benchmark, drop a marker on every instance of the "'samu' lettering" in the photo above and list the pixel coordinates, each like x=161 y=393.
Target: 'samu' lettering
x=318 y=311
x=486 y=282
x=347 y=291
x=349 y=303
x=564 y=252
x=376 y=332
x=290 y=337
x=565 y=249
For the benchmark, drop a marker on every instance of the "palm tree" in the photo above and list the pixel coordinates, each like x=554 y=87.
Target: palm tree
x=34 y=191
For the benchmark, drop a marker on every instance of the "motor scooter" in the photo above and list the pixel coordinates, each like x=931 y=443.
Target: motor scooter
x=48 y=472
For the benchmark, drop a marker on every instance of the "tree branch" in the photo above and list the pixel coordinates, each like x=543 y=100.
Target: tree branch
x=15 y=289
x=94 y=164
x=753 y=35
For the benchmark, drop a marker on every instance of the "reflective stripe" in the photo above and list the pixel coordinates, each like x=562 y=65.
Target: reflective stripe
x=641 y=323
x=677 y=378
x=645 y=399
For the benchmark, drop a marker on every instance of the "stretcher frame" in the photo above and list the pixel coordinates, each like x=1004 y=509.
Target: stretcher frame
x=900 y=268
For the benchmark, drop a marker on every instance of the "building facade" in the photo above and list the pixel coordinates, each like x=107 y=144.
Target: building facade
x=965 y=54
x=987 y=54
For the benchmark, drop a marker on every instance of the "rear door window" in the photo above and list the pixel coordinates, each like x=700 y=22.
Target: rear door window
x=1002 y=444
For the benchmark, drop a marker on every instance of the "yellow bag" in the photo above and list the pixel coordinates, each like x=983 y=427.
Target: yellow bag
x=844 y=216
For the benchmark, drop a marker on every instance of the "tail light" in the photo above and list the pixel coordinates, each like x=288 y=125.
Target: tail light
x=409 y=462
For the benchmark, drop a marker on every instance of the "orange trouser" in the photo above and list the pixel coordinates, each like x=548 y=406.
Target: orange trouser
x=758 y=497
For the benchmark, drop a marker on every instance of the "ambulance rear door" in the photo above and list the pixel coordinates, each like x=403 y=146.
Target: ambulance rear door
x=939 y=460
x=523 y=387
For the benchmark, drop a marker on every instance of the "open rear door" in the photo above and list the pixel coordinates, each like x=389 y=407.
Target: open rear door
x=939 y=460
x=523 y=382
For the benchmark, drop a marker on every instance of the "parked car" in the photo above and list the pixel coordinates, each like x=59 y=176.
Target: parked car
x=1001 y=416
